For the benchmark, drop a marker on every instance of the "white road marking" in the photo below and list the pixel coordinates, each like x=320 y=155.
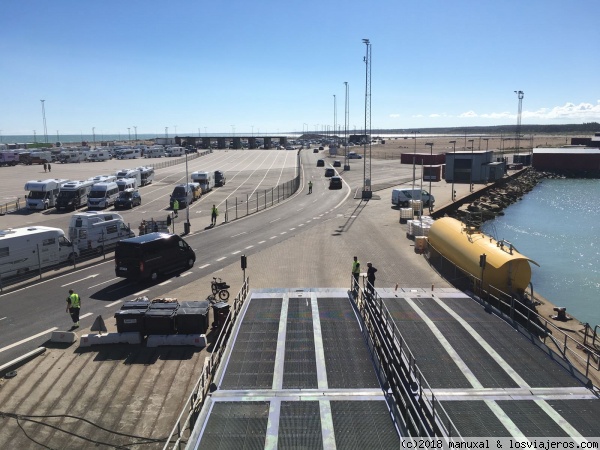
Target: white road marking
x=141 y=292
x=272 y=237
x=239 y=234
x=300 y=224
x=165 y=282
x=279 y=218
x=113 y=303
x=30 y=338
x=250 y=246
x=104 y=282
x=283 y=232
x=236 y=252
x=77 y=281
x=292 y=229
x=262 y=242
x=221 y=258
x=204 y=266
x=185 y=274
x=85 y=315
x=3 y=318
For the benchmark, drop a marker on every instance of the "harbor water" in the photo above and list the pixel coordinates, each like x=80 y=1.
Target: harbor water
x=557 y=225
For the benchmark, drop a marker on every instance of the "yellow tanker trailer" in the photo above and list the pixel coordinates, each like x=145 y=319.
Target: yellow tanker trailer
x=505 y=268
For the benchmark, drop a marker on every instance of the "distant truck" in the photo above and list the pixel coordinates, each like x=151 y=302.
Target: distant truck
x=74 y=194
x=34 y=248
x=43 y=194
x=97 y=230
x=205 y=179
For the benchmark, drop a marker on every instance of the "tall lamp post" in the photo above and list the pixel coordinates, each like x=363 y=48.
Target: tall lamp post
x=167 y=132
x=94 y=136
x=129 y=134
x=453 y=168
x=414 y=158
x=44 y=118
x=430 y=144
x=135 y=128
x=471 y=171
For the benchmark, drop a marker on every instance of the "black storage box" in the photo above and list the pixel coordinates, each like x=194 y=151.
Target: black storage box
x=135 y=304
x=196 y=304
x=130 y=320
x=159 y=321
x=170 y=306
x=191 y=320
x=220 y=312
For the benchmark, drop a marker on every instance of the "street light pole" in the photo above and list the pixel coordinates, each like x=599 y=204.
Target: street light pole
x=430 y=144
x=453 y=169
x=94 y=135
x=471 y=171
x=129 y=134
x=167 y=132
x=135 y=128
x=44 y=117
x=414 y=158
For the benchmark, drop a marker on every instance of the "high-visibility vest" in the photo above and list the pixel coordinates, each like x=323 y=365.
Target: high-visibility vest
x=75 y=303
x=355 y=267
x=215 y=211
x=175 y=205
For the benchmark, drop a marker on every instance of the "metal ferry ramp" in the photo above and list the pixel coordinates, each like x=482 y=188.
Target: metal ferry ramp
x=316 y=368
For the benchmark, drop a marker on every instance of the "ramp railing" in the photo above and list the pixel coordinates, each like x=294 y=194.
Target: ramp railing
x=417 y=411
x=190 y=412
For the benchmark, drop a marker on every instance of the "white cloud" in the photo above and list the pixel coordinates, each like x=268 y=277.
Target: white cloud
x=394 y=116
x=468 y=114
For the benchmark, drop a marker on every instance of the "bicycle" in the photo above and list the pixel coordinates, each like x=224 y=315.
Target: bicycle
x=219 y=289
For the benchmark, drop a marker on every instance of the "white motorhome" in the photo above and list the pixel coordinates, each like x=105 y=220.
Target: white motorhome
x=156 y=151
x=126 y=183
x=43 y=193
x=103 y=195
x=97 y=230
x=70 y=157
x=130 y=173
x=206 y=180
x=147 y=175
x=130 y=153
x=103 y=178
x=33 y=248
x=74 y=194
x=99 y=155
x=175 y=151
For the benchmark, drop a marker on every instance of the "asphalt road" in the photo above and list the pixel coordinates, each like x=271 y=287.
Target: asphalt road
x=28 y=315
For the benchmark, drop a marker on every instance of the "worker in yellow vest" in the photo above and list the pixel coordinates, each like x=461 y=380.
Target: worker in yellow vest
x=73 y=307
x=175 y=208
x=355 y=273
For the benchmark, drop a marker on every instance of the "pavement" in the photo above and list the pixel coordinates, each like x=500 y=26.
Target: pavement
x=131 y=395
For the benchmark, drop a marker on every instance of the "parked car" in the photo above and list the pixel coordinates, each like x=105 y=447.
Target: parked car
x=320 y=163
x=321 y=148
x=329 y=172
x=316 y=150
x=128 y=199
x=337 y=163
x=335 y=182
x=354 y=155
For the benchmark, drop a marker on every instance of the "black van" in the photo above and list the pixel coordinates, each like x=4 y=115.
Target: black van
x=151 y=255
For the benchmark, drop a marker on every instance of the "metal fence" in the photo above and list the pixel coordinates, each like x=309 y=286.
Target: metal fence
x=416 y=410
x=521 y=314
x=190 y=412
x=260 y=200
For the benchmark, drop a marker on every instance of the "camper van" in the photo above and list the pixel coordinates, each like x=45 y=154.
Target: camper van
x=183 y=194
x=99 y=155
x=196 y=191
x=40 y=157
x=97 y=230
x=147 y=175
x=103 y=195
x=43 y=193
x=103 y=178
x=70 y=157
x=130 y=153
x=74 y=194
x=130 y=173
x=33 y=248
x=401 y=197
x=206 y=180
x=151 y=255
x=126 y=183
x=175 y=151
x=219 y=178
x=9 y=158
x=155 y=152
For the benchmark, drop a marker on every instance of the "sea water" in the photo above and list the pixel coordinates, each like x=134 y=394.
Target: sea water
x=557 y=225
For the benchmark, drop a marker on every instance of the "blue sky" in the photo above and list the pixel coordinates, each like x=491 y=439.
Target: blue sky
x=266 y=66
